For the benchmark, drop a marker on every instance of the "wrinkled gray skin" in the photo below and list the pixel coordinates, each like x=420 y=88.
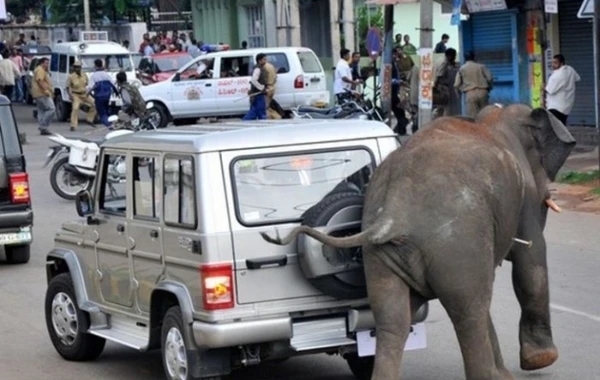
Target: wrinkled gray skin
x=440 y=215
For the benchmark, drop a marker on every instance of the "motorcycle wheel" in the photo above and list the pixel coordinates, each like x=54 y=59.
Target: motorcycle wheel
x=65 y=184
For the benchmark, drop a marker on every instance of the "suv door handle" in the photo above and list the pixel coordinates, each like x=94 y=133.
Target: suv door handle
x=154 y=234
x=280 y=261
x=208 y=84
x=120 y=228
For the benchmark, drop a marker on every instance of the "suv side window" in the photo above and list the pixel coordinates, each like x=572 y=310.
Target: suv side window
x=62 y=63
x=54 y=62
x=146 y=188
x=113 y=190
x=179 y=191
x=235 y=66
x=280 y=61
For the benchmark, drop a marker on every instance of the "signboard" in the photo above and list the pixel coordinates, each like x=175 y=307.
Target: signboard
x=2 y=10
x=456 y=7
x=586 y=10
x=374 y=43
x=93 y=36
x=426 y=79
x=551 y=6
x=475 y=6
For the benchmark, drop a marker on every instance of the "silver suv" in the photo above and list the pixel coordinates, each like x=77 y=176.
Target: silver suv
x=170 y=254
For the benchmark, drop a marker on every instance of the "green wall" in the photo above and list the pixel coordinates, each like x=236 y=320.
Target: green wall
x=215 y=21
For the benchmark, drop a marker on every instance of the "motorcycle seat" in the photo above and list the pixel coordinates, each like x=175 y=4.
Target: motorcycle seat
x=322 y=111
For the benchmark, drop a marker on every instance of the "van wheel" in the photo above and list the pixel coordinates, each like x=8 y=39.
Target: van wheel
x=62 y=108
x=67 y=324
x=160 y=114
x=335 y=209
x=174 y=352
x=362 y=368
x=17 y=254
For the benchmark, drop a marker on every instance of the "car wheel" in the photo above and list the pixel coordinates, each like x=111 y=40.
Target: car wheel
x=174 y=352
x=335 y=272
x=66 y=184
x=362 y=368
x=62 y=108
x=17 y=254
x=67 y=324
x=160 y=114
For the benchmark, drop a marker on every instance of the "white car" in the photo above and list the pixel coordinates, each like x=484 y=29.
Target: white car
x=217 y=84
x=91 y=46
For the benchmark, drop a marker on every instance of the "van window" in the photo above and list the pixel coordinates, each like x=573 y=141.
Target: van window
x=71 y=62
x=146 y=188
x=54 y=62
x=309 y=61
x=280 y=61
x=280 y=188
x=179 y=192
x=236 y=66
x=62 y=63
x=113 y=190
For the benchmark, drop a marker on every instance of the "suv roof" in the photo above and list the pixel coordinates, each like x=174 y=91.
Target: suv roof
x=244 y=134
x=235 y=53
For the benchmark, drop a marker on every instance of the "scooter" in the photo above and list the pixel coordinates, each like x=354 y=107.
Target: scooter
x=74 y=160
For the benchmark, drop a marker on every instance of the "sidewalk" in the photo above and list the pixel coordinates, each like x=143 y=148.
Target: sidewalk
x=581 y=161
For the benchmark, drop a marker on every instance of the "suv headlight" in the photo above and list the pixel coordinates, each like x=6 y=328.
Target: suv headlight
x=136 y=83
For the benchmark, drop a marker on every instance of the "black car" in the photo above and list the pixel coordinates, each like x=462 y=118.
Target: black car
x=16 y=214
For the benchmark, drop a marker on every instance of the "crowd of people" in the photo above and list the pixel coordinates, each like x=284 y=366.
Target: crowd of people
x=13 y=65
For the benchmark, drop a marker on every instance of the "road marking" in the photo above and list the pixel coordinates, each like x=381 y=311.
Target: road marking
x=594 y=318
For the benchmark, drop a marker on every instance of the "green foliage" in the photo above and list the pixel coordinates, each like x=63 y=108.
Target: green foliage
x=367 y=17
x=71 y=11
x=596 y=191
x=578 y=177
x=21 y=9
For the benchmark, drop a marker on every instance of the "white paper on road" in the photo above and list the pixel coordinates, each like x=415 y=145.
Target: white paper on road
x=417 y=340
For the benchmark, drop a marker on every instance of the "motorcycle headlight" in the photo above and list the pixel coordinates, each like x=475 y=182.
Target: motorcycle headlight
x=136 y=83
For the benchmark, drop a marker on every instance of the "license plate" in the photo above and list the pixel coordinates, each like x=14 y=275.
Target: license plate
x=15 y=237
x=366 y=340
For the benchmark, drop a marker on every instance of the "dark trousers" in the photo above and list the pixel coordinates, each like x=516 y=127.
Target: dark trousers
x=102 y=108
x=402 y=122
x=8 y=91
x=560 y=116
x=258 y=108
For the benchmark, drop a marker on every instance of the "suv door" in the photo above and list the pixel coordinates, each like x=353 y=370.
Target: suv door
x=144 y=229
x=113 y=247
x=234 y=82
x=195 y=94
x=270 y=189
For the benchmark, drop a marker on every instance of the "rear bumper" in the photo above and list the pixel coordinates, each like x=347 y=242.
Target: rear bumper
x=16 y=218
x=220 y=335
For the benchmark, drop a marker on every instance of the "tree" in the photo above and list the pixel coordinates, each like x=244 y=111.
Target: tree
x=21 y=9
x=367 y=17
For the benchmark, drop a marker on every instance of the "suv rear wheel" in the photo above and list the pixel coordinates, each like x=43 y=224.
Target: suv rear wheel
x=17 y=254
x=67 y=324
x=63 y=110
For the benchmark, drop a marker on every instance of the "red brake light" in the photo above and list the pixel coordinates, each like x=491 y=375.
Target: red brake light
x=299 y=81
x=217 y=286
x=19 y=188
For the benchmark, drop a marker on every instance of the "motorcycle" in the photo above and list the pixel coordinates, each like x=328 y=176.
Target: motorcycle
x=74 y=160
x=353 y=106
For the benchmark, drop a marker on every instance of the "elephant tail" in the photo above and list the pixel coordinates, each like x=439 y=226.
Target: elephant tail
x=378 y=233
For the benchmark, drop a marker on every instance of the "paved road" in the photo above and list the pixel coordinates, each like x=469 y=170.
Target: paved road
x=574 y=259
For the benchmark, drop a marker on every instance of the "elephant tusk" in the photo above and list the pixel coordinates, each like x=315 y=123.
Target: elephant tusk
x=550 y=203
x=528 y=243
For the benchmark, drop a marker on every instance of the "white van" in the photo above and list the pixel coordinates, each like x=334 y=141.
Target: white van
x=91 y=46
x=222 y=86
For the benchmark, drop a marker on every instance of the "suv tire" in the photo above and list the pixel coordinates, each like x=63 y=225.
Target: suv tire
x=362 y=368
x=336 y=285
x=162 y=115
x=17 y=254
x=62 y=108
x=62 y=313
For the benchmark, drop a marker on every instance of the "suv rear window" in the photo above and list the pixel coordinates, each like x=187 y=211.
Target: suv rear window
x=279 y=189
x=309 y=61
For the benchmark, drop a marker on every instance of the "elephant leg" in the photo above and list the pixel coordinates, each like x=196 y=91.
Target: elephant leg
x=505 y=374
x=530 y=283
x=389 y=297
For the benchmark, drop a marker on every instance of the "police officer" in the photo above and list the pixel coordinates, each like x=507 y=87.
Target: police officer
x=258 y=85
x=76 y=87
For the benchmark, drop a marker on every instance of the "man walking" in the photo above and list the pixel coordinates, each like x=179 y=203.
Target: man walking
x=42 y=92
x=258 y=85
x=560 y=90
x=76 y=87
x=343 y=76
x=271 y=80
x=9 y=74
x=475 y=81
x=102 y=86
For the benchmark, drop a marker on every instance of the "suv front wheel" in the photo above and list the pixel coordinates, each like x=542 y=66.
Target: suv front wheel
x=67 y=324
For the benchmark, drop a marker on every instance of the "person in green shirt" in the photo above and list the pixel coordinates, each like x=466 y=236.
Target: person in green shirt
x=398 y=41
x=408 y=48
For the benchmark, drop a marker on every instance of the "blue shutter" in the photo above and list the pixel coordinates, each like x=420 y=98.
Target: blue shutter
x=492 y=36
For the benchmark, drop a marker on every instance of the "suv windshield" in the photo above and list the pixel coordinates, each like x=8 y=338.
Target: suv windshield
x=281 y=188
x=113 y=63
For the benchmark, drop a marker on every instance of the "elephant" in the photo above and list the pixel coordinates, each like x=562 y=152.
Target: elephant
x=441 y=213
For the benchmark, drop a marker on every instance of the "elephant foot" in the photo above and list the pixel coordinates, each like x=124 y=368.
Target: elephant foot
x=537 y=358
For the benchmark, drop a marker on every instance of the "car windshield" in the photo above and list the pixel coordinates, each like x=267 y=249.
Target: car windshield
x=171 y=63
x=281 y=188
x=113 y=63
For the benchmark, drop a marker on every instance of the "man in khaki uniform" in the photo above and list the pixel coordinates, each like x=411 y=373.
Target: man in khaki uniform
x=271 y=72
x=475 y=81
x=77 y=88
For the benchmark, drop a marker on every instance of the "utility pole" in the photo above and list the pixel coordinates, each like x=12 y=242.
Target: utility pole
x=597 y=67
x=426 y=42
x=86 y=15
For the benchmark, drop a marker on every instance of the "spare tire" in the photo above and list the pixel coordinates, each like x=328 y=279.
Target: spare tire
x=335 y=272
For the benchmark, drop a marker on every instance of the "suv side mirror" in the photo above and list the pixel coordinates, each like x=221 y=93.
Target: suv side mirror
x=177 y=77
x=84 y=203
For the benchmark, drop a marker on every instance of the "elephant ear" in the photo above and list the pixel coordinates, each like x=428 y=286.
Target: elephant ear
x=554 y=141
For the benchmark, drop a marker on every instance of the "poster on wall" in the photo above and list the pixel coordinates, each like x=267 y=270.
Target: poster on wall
x=456 y=7
x=551 y=6
x=475 y=6
x=426 y=78
x=2 y=10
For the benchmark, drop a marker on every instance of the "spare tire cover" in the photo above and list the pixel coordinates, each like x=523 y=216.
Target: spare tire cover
x=335 y=272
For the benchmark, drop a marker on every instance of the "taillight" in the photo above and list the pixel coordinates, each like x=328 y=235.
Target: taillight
x=299 y=81
x=19 y=188
x=217 y=286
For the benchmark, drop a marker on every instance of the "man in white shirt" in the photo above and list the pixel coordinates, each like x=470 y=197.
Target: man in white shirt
x=343 y=76
x=560 y=90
